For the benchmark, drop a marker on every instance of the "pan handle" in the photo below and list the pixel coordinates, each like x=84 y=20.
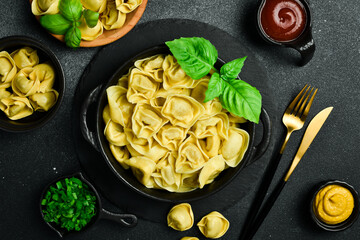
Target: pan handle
x=261 y=148
x=89 y=135
x=127 y=220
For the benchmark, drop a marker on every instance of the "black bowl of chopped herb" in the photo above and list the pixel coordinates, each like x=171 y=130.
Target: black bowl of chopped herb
x=71 y=204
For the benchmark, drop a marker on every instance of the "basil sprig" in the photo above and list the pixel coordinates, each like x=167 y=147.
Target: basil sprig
x=68 y=20
x=197 y=57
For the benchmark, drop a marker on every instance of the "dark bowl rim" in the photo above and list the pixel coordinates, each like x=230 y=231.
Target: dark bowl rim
x=99 y=132
x=30 y=41
x=350 y=220
x=58 y=229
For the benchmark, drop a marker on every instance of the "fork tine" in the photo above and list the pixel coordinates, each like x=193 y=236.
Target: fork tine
x=290 y=108
x=299 y=113
x=306 y=111
x=300 y=102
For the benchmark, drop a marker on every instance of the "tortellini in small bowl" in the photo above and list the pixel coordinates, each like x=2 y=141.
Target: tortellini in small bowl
x=116 y=18
x=31 y=84
x=172 y=146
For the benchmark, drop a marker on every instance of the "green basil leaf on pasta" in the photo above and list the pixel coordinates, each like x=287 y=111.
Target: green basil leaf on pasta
x=215 y=87
x=196 y=56
x=232 y=69
x=71 y=9
x=73 y=37
x=55 y=24
x=91 y=18
x=241 y=99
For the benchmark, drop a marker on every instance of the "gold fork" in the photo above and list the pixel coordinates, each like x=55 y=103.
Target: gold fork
x=293 y=119
x=294 y=116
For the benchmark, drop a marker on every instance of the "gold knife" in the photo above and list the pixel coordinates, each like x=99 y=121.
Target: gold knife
x=310 y=133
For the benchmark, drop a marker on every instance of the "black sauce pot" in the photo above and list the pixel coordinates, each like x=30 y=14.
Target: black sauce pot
x=98 y=140
x=127 y=220
x=304 y=43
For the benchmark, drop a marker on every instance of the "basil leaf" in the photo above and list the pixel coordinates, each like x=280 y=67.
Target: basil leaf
x=215 y=87
x=91 y=18
x=73 y=37
x=55 y=24
x=232 y=69
x=71 y=9
x=196 y=56
x=241 y=99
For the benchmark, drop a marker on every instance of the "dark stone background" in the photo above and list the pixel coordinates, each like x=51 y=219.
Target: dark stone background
x=29 y=161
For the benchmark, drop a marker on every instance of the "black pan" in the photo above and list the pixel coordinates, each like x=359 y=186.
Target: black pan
x=98 y=140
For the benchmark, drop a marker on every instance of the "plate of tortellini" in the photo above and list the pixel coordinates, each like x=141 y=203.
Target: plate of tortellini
x=31 y=84
x=160 y=138
x=116 y=18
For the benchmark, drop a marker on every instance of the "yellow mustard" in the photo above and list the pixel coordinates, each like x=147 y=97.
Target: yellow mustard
x=333 y=204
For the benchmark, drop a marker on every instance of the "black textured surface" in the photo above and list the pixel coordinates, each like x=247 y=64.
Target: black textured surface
x=31 y=160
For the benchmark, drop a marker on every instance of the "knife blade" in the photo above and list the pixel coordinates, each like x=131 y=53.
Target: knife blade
x=310 y=133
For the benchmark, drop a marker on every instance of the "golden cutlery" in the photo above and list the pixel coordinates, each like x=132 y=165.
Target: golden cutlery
x=293 y=119
x=310 y=133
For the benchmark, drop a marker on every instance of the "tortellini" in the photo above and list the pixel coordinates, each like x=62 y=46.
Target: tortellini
x=42 y=7
x=44 y=101
x=158 y=126
x=7 y=69
x=89 y=34
x=119 y=108
x=142 y=86
x=25 y=57
x=112 y=14
x=146 y=121
x=127 y=6
x=175 y=76
x=25 y=84
x=16 y=107
x=181 y=217
x=94 y=5
x=234 y=148
x=112 y=18
x=213 y=225
x=181 y=110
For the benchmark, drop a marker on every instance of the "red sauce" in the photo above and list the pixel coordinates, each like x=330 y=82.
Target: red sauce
x=283 y=20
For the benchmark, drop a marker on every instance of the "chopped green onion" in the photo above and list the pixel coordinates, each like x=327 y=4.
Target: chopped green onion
x=69 y=203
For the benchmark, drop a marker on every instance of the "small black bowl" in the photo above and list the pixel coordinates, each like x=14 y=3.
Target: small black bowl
x=37 y=119
x=349 y=221
x=127 y=220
